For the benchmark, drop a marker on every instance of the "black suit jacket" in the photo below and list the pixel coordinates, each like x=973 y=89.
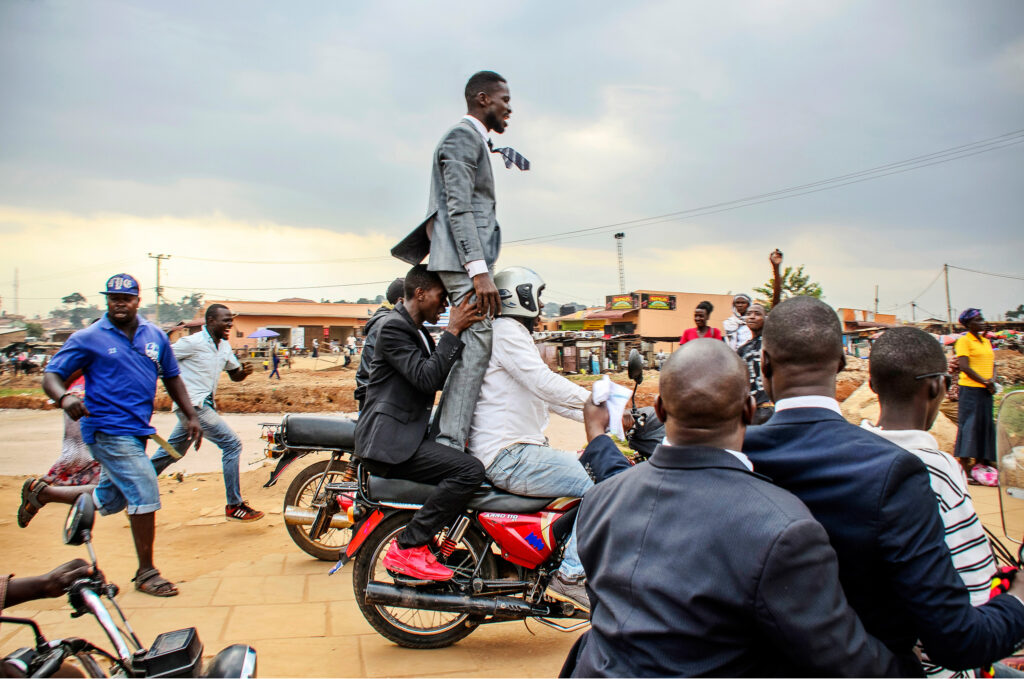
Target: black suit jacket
x=404 y=378
x=697 y=566
x=875 y=501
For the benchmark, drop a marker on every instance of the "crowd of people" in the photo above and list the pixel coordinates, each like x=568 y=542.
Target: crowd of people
x=765 y=536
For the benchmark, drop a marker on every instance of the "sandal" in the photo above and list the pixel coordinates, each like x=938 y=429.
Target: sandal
x=30 y=504
x=152 y=583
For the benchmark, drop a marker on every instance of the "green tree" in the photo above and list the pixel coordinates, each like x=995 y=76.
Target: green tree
x=794 y=283
x=34 y=329
x=173 y=312
x=74 y=312
x=1016 y=314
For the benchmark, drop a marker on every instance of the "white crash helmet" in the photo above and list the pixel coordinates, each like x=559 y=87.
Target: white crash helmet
x=519 y=289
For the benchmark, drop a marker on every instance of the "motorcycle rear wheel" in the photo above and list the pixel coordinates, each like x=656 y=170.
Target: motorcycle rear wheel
x=414 y=628
x=329 y=546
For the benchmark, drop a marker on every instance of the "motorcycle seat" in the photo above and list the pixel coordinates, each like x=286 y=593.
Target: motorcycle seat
x=487 y=498
x=317 y=431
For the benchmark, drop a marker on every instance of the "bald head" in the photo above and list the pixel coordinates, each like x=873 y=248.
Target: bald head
x=803 y=331
x=704 y=390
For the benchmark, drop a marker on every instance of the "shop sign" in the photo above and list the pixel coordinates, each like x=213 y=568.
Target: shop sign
x=593 y=324
x=658 y=302
x=621 y=302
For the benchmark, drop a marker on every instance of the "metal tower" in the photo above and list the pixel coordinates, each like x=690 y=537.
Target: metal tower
x=622 y=267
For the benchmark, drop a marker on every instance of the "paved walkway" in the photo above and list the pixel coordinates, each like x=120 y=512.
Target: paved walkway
x=249 y=583
x=239 y=582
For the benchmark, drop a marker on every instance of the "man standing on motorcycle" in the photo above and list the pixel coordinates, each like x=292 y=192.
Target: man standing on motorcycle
x=511 y=415
x=392 y=433
x=202 y=357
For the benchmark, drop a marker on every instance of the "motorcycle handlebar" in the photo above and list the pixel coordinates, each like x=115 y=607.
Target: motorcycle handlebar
x=91 y=600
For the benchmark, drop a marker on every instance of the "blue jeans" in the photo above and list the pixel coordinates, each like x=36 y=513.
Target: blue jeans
x=539 y=471
x=127 y=480
x=216 y=431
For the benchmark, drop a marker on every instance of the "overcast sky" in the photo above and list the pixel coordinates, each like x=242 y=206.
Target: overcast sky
x=302 y=133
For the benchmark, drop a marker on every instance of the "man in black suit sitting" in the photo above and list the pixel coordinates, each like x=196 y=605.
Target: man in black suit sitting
x=391 y=437
x=874 y=500
x=698 y=565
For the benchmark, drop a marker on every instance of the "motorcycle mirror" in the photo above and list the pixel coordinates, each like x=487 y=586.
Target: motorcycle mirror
x=635 y=367
x=80 y=520
x=1010 y=454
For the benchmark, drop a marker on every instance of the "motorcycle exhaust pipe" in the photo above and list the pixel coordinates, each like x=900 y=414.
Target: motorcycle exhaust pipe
x=297 y=516
x=410 y=597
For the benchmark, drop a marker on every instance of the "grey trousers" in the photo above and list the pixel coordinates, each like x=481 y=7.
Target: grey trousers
x=463 y=386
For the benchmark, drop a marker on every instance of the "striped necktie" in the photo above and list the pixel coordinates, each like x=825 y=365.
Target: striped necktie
x=510 y=156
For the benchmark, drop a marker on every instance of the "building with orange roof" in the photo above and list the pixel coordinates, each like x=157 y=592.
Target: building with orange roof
x=296 y=322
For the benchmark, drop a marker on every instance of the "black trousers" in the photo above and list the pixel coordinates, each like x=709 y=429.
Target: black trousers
x=457 y=474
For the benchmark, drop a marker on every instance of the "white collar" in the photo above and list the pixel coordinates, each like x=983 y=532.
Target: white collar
x=909 y=439
x=479 y=127
x=744 y=460
x=826 y=402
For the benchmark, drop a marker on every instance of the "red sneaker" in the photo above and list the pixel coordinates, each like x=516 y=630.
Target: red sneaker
x=415 y=562
x=242 y=512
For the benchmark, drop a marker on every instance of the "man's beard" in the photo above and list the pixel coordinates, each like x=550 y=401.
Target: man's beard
x=495 y=123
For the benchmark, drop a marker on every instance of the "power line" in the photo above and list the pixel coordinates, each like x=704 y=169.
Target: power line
x=280 y=287
x=936 y=158
x=283 y=261
x=988 y=273
x=896 y=167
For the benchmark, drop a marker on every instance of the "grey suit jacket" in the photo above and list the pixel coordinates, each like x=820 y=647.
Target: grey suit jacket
x=461 y=224
x=697 y=567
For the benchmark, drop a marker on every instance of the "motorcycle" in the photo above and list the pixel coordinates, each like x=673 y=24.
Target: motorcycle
x=305 y=518
x=172 y=654
x=504 y=548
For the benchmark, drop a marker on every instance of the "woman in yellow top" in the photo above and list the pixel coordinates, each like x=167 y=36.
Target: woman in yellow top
x=976 y=432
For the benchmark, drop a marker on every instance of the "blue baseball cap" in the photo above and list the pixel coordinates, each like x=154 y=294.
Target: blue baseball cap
x=121 y=284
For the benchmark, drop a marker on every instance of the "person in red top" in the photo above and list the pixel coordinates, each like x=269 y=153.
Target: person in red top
x=700 y=317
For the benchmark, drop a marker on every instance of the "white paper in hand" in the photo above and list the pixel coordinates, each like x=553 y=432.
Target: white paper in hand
x=614 y=397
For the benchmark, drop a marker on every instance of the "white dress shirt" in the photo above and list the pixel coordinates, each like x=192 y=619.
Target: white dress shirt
x=477 y=266
x=517 y=392
x=744 y=460
x=826 y=402
x=201 y=360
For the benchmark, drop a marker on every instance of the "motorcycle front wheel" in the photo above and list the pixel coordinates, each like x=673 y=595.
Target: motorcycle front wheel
x=411 y=627
x=301 y=493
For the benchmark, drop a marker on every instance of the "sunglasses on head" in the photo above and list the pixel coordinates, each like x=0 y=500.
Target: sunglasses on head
x=946 y=377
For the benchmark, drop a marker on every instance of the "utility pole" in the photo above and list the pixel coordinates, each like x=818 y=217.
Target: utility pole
x=949 y=307
x=16 y=311
x=913 y=312
x=876 y=299
x=622 y=266
x=159 y=288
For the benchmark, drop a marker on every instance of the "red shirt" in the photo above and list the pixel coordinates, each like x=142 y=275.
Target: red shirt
x=709 y=333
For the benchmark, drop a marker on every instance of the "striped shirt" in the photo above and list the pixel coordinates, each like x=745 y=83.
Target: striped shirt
x=965 y=537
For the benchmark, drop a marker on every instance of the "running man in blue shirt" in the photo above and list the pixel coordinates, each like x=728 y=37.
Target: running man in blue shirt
x=121 y=356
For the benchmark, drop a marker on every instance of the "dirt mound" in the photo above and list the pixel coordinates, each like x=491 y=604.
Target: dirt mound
x=853 y=376
x=1010 y=365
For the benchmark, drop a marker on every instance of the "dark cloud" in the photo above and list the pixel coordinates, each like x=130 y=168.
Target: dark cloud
x=325 y=114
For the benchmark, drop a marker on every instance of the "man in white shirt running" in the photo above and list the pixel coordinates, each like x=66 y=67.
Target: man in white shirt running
x=201 y=358
x=507 y=434
x=909 y=373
